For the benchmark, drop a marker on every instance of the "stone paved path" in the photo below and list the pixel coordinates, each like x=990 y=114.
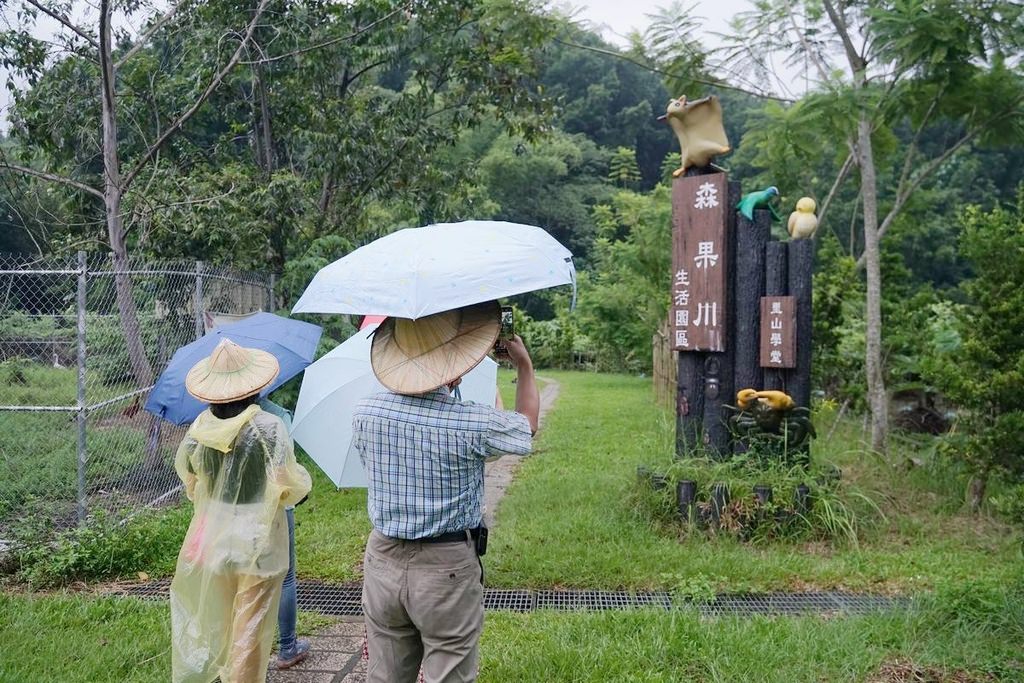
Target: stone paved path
x=336 y=655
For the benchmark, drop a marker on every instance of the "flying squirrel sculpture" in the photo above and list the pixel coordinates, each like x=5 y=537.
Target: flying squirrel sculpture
x=698 y=126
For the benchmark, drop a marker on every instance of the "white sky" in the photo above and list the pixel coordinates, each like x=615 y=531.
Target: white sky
x=617 y=17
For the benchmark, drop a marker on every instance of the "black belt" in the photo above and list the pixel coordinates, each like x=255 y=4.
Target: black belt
x=450 y=537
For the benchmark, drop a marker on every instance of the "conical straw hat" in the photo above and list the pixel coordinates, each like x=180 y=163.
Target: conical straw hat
x=231 y=373
x=417 y=356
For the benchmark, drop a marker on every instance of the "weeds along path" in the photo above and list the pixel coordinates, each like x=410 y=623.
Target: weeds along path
x=498 y=474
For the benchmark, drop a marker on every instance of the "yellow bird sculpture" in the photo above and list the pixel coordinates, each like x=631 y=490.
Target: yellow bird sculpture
x=802 y=222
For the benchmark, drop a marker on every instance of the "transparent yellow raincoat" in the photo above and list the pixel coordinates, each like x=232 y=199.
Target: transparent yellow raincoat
x=240 y=474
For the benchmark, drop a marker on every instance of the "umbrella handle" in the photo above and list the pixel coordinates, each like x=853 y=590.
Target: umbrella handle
x=572 y=276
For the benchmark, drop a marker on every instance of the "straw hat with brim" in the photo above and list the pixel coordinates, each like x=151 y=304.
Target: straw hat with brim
x=417 y=356
x=231 y=373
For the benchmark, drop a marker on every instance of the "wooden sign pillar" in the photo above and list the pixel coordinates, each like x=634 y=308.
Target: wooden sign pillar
x=751 y=244
x=741 y=310
x=702 y=319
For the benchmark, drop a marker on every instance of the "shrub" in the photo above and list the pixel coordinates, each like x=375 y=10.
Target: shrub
x=834 y=510
x=102 y=548
x=979 y=364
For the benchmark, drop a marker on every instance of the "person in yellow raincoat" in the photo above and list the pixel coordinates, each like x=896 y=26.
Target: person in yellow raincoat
x=238 y=468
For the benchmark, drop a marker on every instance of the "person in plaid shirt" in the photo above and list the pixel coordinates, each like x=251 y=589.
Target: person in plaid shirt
x=423 y=452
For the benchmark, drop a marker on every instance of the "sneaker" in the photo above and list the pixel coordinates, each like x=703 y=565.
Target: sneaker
x=286 y=660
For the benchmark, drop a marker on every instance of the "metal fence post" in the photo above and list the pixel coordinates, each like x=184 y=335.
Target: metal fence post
x=200 y=327
x=82 y=416
x=270 y=293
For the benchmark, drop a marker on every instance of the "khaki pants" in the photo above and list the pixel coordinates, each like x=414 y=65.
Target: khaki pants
x=422 y=603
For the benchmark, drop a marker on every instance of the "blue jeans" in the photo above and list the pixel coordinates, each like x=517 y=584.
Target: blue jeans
x=287 y=612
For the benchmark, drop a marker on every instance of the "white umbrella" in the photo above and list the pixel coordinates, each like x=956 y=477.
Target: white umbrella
x=414 y=272
x=333 y=385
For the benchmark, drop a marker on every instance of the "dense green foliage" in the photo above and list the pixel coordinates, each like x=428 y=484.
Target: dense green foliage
x=101 y=548
x=344 y=122
x=977 y=357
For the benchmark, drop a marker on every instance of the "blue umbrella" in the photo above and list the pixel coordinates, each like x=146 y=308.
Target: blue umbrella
x=292 y=342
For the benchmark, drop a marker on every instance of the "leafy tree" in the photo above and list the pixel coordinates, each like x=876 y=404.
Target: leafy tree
x=93 y=66
x=626 y=296
x=604 y=95
x=553 y=184
x=622 y=169
x=880 y=64
x=979 y=363
x=315 y=131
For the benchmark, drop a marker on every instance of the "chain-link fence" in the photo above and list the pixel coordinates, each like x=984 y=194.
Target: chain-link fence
x=81 y=341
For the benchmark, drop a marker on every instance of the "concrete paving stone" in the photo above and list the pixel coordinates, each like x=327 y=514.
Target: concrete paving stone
x=354 y=678
x=349 y=628
x=327 y=661
x=325 y=643
x=298 y=676
x=335 y=644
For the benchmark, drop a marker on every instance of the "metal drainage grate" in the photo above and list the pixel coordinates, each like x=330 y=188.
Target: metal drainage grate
x=509 y=600
x=598 y=600
x=799 y=603
x=151 y=590
x=346 y=600
x=331 y=599
x=657 y=599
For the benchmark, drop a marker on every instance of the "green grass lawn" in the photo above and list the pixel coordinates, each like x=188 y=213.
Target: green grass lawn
x=569 y=520
x=39 y=450
x=79 y=638
x=681 y=646
x=965 y=636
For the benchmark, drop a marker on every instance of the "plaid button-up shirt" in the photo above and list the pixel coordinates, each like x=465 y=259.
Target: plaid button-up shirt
x=424 y=459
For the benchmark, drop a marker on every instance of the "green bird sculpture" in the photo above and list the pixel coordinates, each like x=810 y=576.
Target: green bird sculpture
x=757 y=200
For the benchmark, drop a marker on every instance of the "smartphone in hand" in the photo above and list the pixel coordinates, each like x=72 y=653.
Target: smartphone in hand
x=506 y=332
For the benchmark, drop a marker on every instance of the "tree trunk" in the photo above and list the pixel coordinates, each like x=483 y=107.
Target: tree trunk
x=112 y=194
x=877 y=395
x=976 y=491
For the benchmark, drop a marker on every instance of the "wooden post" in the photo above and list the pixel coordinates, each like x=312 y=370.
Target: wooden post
x=689 y=402
x=663 y=366
x=719 y=368
x=751 y=243
x=776 y=284
x=801 y=269
x=199 y=309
